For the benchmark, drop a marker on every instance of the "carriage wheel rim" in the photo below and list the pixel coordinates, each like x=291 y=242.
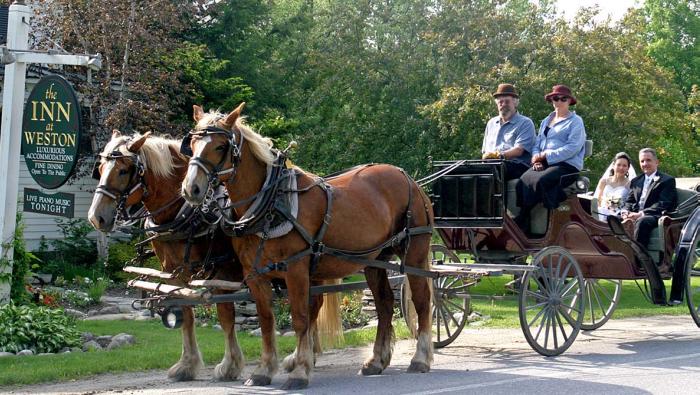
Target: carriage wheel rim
x=550 y=303
x=600 y=301
x=692 y=291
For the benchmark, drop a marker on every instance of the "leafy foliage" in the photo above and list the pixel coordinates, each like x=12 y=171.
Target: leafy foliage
x=39 y=329
x=351 y=312
x=22 y=261
x=75 y=247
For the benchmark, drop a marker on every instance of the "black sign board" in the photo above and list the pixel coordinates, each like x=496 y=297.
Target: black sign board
x=51 y=131
x=59 y=204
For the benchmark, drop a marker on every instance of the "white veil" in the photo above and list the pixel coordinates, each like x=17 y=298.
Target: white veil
x=632 y=173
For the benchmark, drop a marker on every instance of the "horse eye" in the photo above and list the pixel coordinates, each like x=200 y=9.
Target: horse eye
x=221 y=147
x=123 y=172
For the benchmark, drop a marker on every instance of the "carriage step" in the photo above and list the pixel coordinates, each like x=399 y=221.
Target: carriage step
x=171 y=290
x=144 y=271
x=217 y=284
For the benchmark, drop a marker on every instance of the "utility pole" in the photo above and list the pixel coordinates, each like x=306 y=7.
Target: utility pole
x=16 y=55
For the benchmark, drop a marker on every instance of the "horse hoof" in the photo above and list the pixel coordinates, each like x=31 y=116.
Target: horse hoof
x=418 y=367
x=295 y=384
x=371 y=370
x=226 y=372
x=180 y=372
x=258 y=381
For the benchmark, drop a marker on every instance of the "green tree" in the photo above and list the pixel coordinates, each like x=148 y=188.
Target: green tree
x=673 y=34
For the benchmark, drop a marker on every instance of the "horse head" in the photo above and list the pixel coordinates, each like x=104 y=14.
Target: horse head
x=215 y=147
x=120 y=171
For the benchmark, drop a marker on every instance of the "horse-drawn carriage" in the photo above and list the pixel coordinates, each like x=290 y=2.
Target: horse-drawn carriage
x=572 y=267
x=286 y=224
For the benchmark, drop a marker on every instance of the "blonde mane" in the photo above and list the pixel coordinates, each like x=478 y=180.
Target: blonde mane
x=155 y=153
x=260 y=146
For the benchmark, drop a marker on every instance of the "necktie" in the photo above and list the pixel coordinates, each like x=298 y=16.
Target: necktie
x=645 y=190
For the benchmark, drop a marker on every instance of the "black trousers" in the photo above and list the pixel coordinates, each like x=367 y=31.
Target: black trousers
x=514 y=169
x=544 y=186
x=643 y=228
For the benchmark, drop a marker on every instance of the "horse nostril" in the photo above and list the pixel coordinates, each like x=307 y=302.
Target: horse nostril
x=102 y=220
x=195 y=190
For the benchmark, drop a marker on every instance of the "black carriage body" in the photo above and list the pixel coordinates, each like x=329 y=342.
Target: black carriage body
x=470 y=195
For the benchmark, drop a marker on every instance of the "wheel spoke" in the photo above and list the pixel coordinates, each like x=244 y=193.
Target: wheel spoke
x=535 y=295
x=567 y=316
x=544 y=315
x=446 y=323
x=540 y=284
x=546 y=329
x=452 y=317
x=456 y=306
x=563 y=282
x=561 y=326
x=590 y=301
x=554 y=329
x=569 y=288
x=534 y=306
x=605 y=292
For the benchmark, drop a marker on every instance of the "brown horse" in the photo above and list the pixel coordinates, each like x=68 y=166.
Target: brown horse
x=150 y=170
x=369 y=206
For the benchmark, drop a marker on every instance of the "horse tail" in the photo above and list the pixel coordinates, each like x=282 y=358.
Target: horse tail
x=329 y=325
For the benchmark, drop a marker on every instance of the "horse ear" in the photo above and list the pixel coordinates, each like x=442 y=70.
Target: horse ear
x=231 y=118
x=198 y=113
x=116 y=133
x=136 y=145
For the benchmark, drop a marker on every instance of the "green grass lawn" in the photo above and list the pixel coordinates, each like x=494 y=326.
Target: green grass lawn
x=156 y=348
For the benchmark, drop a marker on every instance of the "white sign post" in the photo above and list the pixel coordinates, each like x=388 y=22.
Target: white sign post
x=16 y=55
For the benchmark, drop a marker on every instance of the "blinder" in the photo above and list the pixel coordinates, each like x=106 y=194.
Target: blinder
x=185 y=147
x=96 y=170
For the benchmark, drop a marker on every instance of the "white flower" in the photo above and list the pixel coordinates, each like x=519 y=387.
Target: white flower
x=656 y=178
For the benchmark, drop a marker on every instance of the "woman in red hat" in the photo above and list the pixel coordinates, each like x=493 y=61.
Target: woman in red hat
x=558 y=152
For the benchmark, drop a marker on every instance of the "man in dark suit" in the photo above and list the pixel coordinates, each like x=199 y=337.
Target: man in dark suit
x=651 y=194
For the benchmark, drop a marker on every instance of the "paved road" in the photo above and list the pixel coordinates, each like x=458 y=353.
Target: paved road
x=659 y=355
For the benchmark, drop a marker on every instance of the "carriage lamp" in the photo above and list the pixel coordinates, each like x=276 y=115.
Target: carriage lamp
x=581 y=185
x=172 y=317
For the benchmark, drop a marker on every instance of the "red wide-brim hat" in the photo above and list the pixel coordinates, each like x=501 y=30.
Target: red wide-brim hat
x=561 y=90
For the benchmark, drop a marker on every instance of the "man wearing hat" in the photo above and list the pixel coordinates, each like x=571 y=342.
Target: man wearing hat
x=509 y=135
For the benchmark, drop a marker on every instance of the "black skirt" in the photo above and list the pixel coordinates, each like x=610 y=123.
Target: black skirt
x=544 y=186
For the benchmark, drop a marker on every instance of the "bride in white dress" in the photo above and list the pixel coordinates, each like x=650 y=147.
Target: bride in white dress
x=614 y=186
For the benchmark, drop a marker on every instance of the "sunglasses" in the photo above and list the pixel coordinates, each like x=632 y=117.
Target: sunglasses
x=560 y=98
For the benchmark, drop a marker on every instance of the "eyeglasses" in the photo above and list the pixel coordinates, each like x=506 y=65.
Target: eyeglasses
x=560 y=98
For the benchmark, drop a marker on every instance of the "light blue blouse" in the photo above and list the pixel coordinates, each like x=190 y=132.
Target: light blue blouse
x=565 y=141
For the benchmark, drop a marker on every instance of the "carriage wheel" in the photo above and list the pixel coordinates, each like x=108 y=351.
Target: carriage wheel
x=600 y=299
x=551 y=301
x=692 y=271
x=450 y=301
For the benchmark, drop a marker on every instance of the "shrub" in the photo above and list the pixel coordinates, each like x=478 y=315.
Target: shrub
x=96 y=289
x=22 y=260
x=120 y=254
x=75 y=247
x=39 y=329
x=206 y=313
x=283 y=313
x=351 y=311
